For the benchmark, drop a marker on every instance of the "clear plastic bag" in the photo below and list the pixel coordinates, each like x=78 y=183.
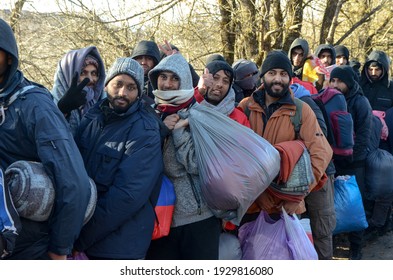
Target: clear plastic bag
x=236 y=165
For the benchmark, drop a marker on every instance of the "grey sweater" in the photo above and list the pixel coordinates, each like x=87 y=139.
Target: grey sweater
x=181 y=168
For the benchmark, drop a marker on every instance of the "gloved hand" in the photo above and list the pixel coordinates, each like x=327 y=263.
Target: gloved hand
x=74 y=97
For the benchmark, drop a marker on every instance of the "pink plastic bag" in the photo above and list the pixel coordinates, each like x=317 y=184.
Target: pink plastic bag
x=284 y=239
x=385 y=130
x=79 y=256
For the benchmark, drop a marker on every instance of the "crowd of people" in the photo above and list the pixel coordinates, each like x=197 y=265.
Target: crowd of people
x=122 y=128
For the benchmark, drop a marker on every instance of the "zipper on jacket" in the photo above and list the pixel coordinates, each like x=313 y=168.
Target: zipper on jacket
x=53 y=145
x=196 y=195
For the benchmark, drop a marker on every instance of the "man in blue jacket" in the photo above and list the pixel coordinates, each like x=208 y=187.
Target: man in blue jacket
x=32 y=128
x=120 y=144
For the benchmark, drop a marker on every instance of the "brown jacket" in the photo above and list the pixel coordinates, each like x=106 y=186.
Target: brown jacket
x=279 y=128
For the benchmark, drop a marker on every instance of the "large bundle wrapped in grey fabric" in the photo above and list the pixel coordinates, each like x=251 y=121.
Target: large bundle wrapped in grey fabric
x=33 y=193
x=236 y=165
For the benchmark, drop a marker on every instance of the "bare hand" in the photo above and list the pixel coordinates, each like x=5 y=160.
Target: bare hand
x=171 y=120
x=181 y=123
x=54 y=256
x=290 y=206
x=167 y=50
x=265 y=201
x=205 y=82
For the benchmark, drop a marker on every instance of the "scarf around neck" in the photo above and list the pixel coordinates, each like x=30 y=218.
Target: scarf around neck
x=226 y=106
x=172 y=101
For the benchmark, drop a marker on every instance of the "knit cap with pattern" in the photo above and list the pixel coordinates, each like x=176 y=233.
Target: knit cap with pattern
x=129 y=66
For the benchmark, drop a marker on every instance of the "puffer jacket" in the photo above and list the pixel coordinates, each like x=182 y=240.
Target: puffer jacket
x=122 y=154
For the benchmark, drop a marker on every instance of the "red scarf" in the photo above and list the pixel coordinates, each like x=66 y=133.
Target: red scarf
x=172 y=109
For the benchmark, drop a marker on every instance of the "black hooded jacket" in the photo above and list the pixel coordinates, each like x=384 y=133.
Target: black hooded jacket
x=329 y=48
x=379 y=93
x=33 y=128
x=299 y=42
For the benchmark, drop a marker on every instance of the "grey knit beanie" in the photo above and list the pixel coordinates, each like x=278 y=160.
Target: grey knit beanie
x=129 y=66
x=177 y=64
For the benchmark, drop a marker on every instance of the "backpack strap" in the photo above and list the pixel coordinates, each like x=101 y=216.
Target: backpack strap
x=14 y=96
x=297 y=118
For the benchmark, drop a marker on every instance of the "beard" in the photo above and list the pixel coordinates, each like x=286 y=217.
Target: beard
x=275 y=92
x=119 y=108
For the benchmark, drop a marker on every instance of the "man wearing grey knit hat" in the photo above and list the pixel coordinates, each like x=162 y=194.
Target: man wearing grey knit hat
x=120 y=145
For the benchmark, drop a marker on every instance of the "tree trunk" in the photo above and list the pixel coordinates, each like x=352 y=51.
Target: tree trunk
x=331 y=7
x=15 y=14
x=294 y=10
x=227 y=30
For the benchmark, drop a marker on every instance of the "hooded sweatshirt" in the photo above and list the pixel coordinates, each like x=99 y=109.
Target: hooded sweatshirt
x=379 y=93
x=299 y=42
x=180 y=163
x=72 y=63
x=34 y=129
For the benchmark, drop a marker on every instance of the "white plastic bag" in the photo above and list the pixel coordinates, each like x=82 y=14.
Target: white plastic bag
x=236 y=165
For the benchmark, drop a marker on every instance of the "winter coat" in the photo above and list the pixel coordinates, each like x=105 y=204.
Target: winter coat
x=122 y=154
x=360 y=109
x=299 y=42
x=279 y=128
x=34 y=129
x=379 y=93
x=304 y=95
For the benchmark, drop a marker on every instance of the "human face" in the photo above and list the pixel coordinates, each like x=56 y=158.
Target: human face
x=5 y=61
x=168 y=81
x=336 y=83
x=220 y=87
x=341 y=60
x=297 y=55
x=146 y=62
x=91 y=72
x=276 y=82
x=374 y=72
x=122 y=91
x=326 y=58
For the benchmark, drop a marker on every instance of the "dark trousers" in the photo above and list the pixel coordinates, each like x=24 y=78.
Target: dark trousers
x=195 y=241
x=33 y=241
x=320 y=210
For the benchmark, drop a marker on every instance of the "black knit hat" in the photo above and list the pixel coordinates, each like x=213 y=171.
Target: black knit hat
x=276 y=59
x=345 y=73
x=342 y=50
x=218 y=65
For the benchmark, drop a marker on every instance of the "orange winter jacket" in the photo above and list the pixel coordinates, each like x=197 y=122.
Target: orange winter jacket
x=279 y=128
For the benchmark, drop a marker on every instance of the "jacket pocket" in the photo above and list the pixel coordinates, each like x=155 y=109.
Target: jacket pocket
x=108 y=163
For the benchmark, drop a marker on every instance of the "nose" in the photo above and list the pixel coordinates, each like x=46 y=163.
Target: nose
x=373 y=72
x=122 y=91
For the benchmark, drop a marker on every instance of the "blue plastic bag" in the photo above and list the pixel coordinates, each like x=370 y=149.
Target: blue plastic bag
x=350 y=215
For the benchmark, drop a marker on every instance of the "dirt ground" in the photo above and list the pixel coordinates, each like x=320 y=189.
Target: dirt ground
x=380 y=248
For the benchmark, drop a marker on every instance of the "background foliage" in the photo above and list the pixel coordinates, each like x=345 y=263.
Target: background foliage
x=235 y=28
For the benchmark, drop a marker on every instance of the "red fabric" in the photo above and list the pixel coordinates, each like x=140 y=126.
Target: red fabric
x=309 y=86
x=236 y=115
x=290 y=152
x=174 y=109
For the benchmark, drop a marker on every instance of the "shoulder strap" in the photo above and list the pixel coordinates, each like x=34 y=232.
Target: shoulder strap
x=18 y=93
x=297 y=118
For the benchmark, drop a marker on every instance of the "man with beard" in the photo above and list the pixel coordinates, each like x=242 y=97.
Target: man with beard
x=271 y=107
x=343 y=79
x=327 y=56
x=79 y=83
x=120 y=145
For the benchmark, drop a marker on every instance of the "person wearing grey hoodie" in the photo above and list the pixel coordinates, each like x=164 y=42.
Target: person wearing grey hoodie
x=195 y=231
